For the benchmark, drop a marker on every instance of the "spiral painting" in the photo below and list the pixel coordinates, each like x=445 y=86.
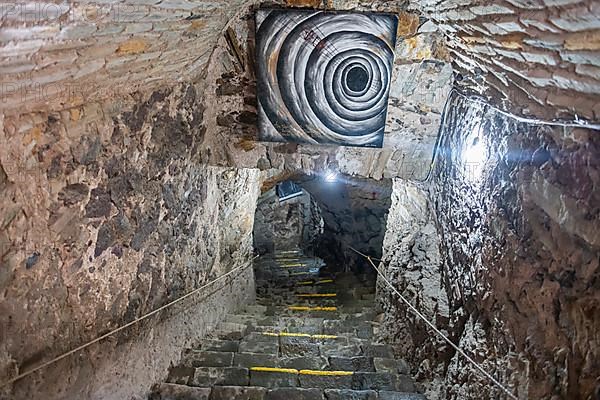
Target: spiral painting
x=323 y=77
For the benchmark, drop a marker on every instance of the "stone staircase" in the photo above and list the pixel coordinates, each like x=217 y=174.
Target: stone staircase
x=309 y=337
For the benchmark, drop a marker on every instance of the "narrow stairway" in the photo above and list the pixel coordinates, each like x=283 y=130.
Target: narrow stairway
x=309 y=337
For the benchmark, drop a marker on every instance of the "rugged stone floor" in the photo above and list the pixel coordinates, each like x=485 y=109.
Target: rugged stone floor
x=309 y=337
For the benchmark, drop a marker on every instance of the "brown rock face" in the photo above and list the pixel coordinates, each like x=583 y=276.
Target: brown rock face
x=103 y=220
x=516 y=225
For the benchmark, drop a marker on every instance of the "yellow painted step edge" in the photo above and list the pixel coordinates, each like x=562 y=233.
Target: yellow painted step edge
x=325 y=337
x=285 y=334
x=289 y=334
x=301 y=308
x=316 y=295
x=307 y=283
x=302 y=372
x=325 y=373
x=325 y=281
x=280 y=370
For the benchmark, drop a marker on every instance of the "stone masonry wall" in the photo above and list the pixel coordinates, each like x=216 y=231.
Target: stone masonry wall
x=107 y=214
x=533 y=57
x=61 y=54
x=516 y=212
x=422 y=78
x=294 y=224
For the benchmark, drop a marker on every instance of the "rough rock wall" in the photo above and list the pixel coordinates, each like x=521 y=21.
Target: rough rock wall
x=293 y=224
x=107 y=214
x=533 y=57
x=412 y=261
x=422 y=79
x=516 y=210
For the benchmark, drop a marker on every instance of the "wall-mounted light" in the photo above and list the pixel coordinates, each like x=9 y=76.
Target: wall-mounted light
x=288 y=190
x=474 y=153
x=330 y=176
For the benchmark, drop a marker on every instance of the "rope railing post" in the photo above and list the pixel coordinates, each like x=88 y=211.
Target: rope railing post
x=435 y=329
x=123 y=327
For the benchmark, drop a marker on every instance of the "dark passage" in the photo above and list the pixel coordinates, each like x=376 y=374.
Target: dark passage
x=357 y=79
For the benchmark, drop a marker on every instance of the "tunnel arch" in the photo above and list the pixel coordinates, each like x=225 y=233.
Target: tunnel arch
x=354 y=213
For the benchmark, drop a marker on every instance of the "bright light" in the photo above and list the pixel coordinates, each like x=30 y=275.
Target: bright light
x=474 y=154
x=330 y=176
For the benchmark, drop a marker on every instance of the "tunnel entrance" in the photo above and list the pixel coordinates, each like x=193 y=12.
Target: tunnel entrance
x=330 y=215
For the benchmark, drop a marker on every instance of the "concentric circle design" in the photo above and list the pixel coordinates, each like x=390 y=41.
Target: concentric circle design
x=324 y=77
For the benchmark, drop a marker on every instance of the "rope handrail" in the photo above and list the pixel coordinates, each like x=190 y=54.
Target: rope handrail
x=127 y=325
x=435 y=329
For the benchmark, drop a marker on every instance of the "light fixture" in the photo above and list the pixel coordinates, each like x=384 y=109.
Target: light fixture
x=474 y=154
x=288 y=190
x=330 y=176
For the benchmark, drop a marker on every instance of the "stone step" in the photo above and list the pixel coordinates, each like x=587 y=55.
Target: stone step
x=300 y=324
x=166 y=391
x=386 y=395
x=374 y=381
x=378 y=350
x=353 y=363
x=295 y=296
x=321 y=380
x=169 y=391
x=349 y=394
x=199 y=358
x=238 y=393
x=222 y=376
x=230 y=331
x=250 y=320
x=305 y=363
x=261 y=344
x=220 y=345
x=346 y=354
x=255 y=308
x=368 y=297
x=362 y=330
x=180 y=375
x=249 y=360
x=295 y=394
x=273 y=377
x=318 y=311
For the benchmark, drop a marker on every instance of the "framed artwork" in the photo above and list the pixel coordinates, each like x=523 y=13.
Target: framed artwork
x=324 y=77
